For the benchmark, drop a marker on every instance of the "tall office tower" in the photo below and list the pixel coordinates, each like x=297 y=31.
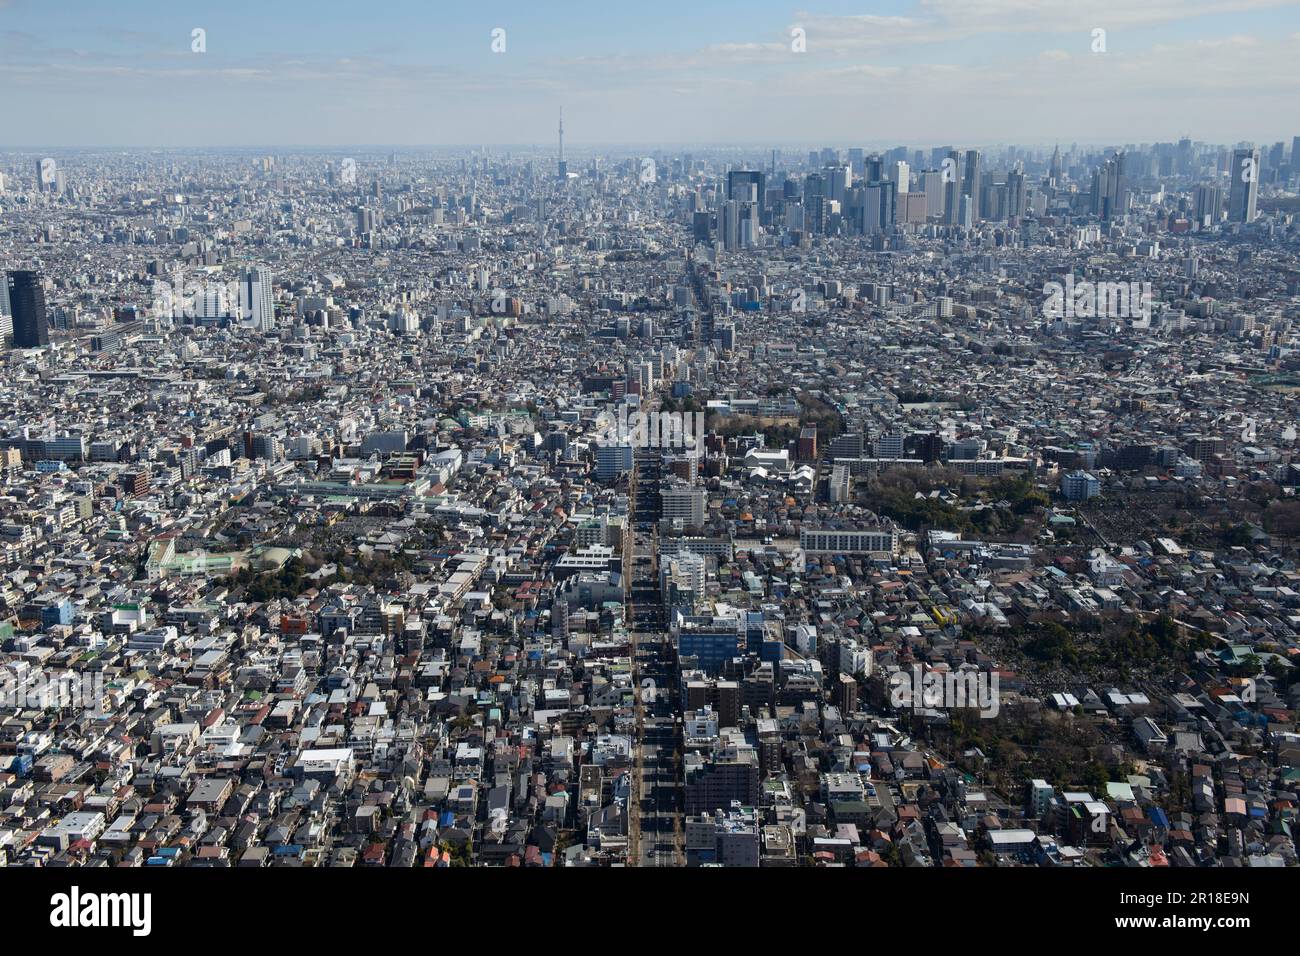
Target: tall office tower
x=873 y=169
x=1119 y=200
x=814 y=200
x=794 y=217
x=1098 y=190
x=747 y=237
x=256 y=307
x=27 y=302
x=951 y=169
x=562 y=168
x=857 y=159
x=931 y=183
x=1277 y=156
x=1209 y=201
x=1054 y=168
x=745 y=187
x=901 y=174
x=1295 y=154
x=1244 y=189
x=2 y=184
x=1109 y=189
x=966 y=217
x=838 y=181
x=970 y=185
x=881 y=200
x=728 y=224
x=47 y=171
x=736 y=225
x=6 y=316
x=1183 y=158
x=1016 y=193
x=701 y=226
x=866 y=219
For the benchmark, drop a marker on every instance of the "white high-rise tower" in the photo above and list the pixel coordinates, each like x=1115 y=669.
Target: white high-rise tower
x=256 y=307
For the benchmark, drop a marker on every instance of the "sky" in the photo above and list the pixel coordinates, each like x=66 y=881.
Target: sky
x=627 y=72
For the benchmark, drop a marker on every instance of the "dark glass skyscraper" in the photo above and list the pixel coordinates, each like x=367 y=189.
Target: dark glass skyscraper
x=27 y=303
x=1243 y=191
x=971 y=184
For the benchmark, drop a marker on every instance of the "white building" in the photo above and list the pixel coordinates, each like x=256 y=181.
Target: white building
x=256 y=305
x=684 y=502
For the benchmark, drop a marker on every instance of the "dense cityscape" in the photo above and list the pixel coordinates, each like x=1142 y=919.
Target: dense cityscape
x=921 y=507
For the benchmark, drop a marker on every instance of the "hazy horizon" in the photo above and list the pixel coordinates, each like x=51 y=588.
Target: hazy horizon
x=405 y=75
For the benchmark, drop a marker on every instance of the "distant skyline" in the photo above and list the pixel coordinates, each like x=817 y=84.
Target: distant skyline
x=412 y=73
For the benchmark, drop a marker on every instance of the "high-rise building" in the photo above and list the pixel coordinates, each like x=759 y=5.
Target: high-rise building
x=688 y=503
x=966 y=215
x=951 y=172
x=702 y=226
x=1209 y=201
x=745 y=185
x=27 y=302
x=256 y=305
x=46 y=174
x=613 y=461
x=931 y=182
x=1243 y=192
x=857 y=158
x=970 y=185
x=1016 y=193
x=1110 y=189
x=6 y=316
x=729 y=225
x=814 y=200
x=901 y=174
x=739 y=218
x=878 y=215
x=839 y=179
